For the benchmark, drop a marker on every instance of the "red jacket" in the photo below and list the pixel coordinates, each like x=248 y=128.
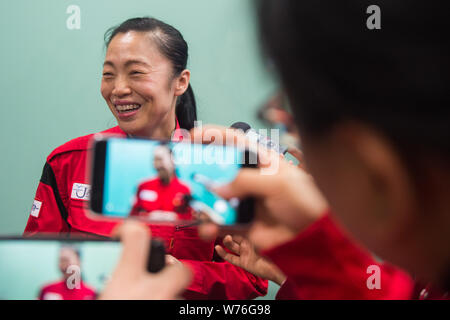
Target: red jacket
x=60 y=291
x=59 y=206
x=323 y=263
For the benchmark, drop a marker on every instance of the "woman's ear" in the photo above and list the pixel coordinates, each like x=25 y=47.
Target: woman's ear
x=182 y=82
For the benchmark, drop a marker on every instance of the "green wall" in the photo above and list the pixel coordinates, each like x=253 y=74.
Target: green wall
x=50 y=78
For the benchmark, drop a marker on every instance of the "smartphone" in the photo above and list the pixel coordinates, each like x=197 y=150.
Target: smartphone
x=53 y=268
x=157 y=258
x=163 y=181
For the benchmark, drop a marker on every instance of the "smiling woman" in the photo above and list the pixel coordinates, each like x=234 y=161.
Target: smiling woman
x=145 y=84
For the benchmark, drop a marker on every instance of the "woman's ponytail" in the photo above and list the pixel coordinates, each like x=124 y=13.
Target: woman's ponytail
x=186 y=109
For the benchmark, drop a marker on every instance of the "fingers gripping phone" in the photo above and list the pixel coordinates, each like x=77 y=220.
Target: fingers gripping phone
x=53 y=268
x=165 y=181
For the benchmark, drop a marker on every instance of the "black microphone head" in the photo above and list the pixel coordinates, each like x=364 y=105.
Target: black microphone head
x=241 y=125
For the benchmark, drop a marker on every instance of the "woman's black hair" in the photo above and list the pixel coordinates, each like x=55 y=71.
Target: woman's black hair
x=173 y=46
x=334 y=68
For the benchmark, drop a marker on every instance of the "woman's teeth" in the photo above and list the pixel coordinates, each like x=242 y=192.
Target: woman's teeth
x=127 y=107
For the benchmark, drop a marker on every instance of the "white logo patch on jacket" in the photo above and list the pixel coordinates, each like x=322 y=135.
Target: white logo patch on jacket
x=148 y=195
x=36 y=208
x=81 y=191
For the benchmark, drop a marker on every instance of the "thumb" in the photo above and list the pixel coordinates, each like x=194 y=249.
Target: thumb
x=176 y=278
x=135 y=238
x=248 y=182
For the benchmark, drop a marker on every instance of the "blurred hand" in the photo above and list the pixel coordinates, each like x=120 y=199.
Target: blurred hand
x=244 y=256
x=287 y=201
x=131 y=280
x=172 y=261
x=298 y=154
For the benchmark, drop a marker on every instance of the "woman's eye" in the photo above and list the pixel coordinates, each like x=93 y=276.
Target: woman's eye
x=107 y=74
x=136 y=72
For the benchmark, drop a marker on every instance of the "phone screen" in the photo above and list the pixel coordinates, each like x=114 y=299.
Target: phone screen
x=165 y=181
x=55 y=269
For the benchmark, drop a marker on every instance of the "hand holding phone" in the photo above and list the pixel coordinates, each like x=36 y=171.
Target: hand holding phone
x=131 y=279
x=282 y=213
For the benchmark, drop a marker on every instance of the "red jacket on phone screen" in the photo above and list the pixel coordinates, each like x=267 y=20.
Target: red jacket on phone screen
x=60 y=291
x=154 y=195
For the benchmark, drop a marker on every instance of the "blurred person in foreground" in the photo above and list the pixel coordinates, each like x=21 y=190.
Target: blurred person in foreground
x=372 y=111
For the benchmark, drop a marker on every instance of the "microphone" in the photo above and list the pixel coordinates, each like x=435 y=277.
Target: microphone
x=252 y=135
